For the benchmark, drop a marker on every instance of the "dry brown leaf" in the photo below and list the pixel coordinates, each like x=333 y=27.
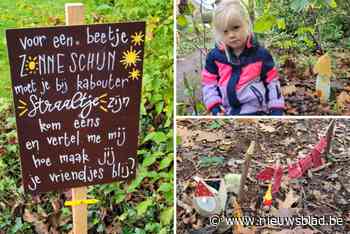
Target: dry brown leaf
x=185 y=135
x=184 y=206
x=33 y=218
x=343 y=99
x=198 y=224
x=54 y=220
x=114 y=228
x=54 y=231
x=208 y=136
x=188 y=136
x=56 y=205
x=245 y=230
x=267 y=128
x=288 y=141
x=291 y=198
x=288 y=90
x=285 y=207
x=246 y=121
x=295 y=231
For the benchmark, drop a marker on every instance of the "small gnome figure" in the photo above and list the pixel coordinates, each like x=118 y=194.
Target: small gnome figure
x=210 y=196
x=323 y=81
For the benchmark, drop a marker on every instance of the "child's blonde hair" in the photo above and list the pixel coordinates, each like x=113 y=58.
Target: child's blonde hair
x=226 y=12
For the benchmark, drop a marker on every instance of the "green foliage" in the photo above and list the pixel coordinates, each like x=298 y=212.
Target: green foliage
x=211 y=161
x=143 y=206
x=307 y=23
x=215 y=124
x=181 y=21
x=265 y=23
x=120 y=204
x=167 y=215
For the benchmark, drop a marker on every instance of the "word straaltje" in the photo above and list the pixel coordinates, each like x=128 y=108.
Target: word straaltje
x=79 y=100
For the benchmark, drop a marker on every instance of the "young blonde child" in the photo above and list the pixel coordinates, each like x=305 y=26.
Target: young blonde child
x=240 y=77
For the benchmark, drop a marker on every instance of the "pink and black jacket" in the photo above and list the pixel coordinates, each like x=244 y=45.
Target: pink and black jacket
x=247 y=85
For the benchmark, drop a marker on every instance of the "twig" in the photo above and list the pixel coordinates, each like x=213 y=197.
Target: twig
x=329 y=135
x=336 y=209
x=346 y=143
x=201 y=12
x=248 y=157
x=314 y=228
x=344 y=159
x=321 y=167
x=192 y=94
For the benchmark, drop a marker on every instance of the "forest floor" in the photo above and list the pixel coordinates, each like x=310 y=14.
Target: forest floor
x=213 y=148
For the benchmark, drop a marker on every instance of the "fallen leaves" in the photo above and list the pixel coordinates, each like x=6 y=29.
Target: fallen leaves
x=185 y=136
x=291 y=198
x=285 y=207
x=288 y=90
x=267 y=128
x=342 y=100
x=297 y=230
x=37 y=221
x=189 y=137
x=305 y=196
x=298 y=83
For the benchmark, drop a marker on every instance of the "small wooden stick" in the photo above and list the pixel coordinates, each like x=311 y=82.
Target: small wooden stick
x=248 y=157
x=321 y=167
x=329 y=136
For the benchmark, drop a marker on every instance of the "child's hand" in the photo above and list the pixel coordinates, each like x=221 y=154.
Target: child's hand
x=218 y=110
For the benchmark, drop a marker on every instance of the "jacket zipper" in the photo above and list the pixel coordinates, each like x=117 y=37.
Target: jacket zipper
x=257 y=94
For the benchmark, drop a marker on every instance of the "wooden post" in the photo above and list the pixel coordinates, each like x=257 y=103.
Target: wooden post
x=74 y=13
x=329 y=136
x=75 y=16
x=79 y=211
x=247 y=159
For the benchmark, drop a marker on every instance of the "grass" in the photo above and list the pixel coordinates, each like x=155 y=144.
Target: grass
x=38 y=13
x=145 y=204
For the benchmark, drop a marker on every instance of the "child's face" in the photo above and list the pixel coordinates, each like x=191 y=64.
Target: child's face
x=235 y=35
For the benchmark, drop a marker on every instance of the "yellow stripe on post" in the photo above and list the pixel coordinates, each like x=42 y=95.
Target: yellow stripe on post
x=79 y=202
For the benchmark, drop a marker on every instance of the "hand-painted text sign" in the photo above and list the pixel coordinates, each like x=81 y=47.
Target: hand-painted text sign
x=77 y=98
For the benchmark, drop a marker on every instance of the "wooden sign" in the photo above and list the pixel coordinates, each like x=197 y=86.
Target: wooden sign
x=77 y=96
